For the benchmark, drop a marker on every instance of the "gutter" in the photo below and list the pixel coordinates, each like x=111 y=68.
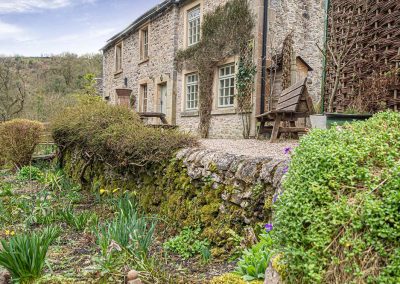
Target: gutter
x=140 y=21
x=264 y=58
x=324 y=63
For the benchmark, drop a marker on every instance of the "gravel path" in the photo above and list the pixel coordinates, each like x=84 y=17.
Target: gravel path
x=251 y=147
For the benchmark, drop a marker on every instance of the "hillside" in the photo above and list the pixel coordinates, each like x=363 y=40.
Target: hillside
x=48 y=82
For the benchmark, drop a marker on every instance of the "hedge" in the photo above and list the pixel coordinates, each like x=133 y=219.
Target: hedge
x=18 y=139
x=114 y=135
x=338 y=220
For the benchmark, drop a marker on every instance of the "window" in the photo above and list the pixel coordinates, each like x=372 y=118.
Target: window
x=192 y=91
x=226 y=89
x=144 y=98
x=193 y=25
x=144 y=43
x=118 y=57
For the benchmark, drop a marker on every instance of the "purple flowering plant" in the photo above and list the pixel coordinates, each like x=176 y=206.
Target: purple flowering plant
x=268 y=227
x=288 y=150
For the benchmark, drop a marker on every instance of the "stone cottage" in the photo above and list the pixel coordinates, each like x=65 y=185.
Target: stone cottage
x=140 y=69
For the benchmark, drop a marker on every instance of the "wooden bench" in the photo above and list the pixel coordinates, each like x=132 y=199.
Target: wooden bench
x=294 y=103
x=161 y=116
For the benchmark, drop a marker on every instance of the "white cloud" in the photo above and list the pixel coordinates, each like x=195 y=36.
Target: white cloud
x=23 y=6
x=9 y=31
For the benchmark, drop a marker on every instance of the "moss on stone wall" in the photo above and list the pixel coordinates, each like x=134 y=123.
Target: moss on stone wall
x=181 y=200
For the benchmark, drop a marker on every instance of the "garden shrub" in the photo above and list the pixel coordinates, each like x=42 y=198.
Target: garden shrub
x=30 y=173
x=18 y=139
x=338 y=220
x=230 y=278
x=188 y=244
x=115 y=135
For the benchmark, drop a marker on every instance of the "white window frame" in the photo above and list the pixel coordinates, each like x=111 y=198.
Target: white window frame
x=118 y=56
x=193 y=25
x=192 y=91
x=144 y=43
x=226 y=85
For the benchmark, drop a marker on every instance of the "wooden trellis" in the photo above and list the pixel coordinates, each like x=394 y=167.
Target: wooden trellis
x=367 y=32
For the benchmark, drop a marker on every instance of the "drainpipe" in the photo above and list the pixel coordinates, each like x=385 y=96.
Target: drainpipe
x=323 y=83
x=264 y=57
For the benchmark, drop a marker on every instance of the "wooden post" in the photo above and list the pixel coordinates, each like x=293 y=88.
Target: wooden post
x=275 y=129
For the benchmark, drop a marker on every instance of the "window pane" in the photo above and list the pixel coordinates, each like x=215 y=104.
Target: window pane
x=191 y=91
x=226 y=85
x=193 y=25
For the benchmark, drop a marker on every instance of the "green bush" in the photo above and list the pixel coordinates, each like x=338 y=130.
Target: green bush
x=188 y=244
x=18 y=139
x=230 y=278
x=30 y=173
x=115 y=135
x=254 y=261
x=24 y=255
x=338 y=220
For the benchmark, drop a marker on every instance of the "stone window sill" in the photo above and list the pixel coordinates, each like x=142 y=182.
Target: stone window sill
x=144 y=61
x=191 y=113
x=222 y=111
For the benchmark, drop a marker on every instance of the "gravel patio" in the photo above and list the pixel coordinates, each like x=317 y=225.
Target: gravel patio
x=249 y=147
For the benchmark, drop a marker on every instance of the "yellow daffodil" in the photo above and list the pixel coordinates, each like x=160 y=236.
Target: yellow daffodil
x=102 y=191
x=10 y=233
x=115 y=190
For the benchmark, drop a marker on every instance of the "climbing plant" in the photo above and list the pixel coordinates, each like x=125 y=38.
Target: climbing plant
x=245 y=86
x=226 y=32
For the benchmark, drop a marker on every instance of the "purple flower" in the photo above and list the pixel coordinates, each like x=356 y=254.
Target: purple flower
x=287 y=150
x=285 y=170
x=268 y=227
x=275 y=198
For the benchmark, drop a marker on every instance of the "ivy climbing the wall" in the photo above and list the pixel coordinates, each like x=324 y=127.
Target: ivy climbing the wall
x=226 y=32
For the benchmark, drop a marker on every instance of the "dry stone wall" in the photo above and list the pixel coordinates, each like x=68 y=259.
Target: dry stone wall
x=221 y=193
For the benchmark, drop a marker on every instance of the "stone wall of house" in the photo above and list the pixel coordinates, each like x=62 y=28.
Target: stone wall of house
x=167 y=35
x=306 y=19
x=158 y=69
x=226 y=123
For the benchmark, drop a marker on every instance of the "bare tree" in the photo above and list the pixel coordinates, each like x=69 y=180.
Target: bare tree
x=347 y=23
x=12 y=89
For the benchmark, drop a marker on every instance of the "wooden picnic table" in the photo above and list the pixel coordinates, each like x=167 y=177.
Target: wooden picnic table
x=294 y=103
x=161 y=116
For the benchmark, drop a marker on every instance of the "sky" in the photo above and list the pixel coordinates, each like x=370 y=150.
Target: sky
x=49 y=27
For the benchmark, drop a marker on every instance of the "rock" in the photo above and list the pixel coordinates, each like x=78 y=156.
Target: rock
x=136 y=281
x=132 y=275
x=247 y=171
x=224 y=162
x=235 y=163
x=244 y=204
x=268 y=170
x=194 y=173
x=182 y=153
x=271 y=276
x=5 y=277
x=280 y=171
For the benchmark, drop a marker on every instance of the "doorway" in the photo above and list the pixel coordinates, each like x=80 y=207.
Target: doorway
x=163 y=98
